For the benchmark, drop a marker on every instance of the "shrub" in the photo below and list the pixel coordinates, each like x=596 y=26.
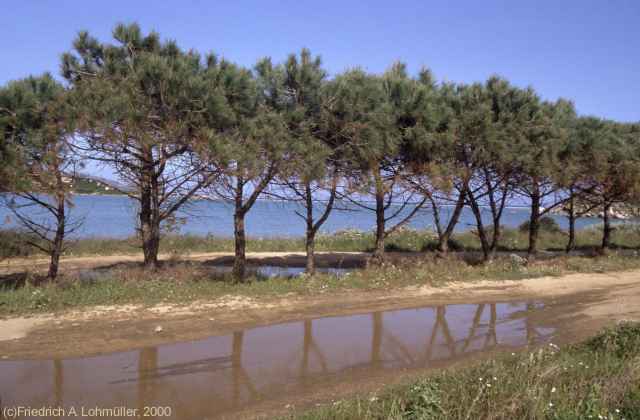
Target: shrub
x=547 y=224
x=453 y=245
x=13 y=243
x=623 y=340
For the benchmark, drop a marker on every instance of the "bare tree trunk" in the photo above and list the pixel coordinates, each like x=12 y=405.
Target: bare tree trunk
x=242 y=207
x=482 y=233
x=534 y=222
x=314 y=225
x=310 y=249
x=496 y=236
x=607 y=228
x=150 y=235
x=443 y=240
x=240 y=260
x=436 y=217
x=149 y=218
x=571 y=243
x=58 y=240
x=497 y=207
x=378 y=252
x=311 y=232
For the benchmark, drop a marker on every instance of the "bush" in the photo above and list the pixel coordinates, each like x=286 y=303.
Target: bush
x=623 y=340
x=453 y=244
x=13 y=243
x=547 y=224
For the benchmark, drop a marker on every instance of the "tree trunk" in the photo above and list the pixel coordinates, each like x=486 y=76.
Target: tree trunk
x=482 y=233
x=571 y=243
x=443 y=240
x=496 y=212
x=497 y=235
x=607 y=228
x=534 y=222
x=150 y=233
x=310 y=249
x=58 y=240
x=149 y=217
x=378 y=253
x=311 y=232
x=240 y=259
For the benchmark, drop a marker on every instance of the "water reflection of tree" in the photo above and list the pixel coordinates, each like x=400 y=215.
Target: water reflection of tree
x=147 y=369
x=309 y=345
x=240 y=375
x=384 y=341
x=533 y=335
x=385 y=347
x=58 y=382
x=491 y=336
x=440 y=323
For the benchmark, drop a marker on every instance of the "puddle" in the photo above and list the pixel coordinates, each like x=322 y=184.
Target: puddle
x=223 y=374
x=271 y=271
x=262 y=272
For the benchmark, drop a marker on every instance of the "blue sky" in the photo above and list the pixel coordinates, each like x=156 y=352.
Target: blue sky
x=587 y=51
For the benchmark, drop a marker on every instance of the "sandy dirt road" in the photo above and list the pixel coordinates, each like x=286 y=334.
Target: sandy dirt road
x=585 y=302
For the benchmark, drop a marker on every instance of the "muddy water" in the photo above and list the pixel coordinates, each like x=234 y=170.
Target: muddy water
x=218 y=376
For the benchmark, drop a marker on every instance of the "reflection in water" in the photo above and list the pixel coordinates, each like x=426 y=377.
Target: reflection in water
x=147 y=369
x=217 y=375
x=273 y=271
x=58 y=380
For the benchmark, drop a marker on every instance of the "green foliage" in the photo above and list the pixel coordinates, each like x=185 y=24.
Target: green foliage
x=82 y=185
x=547 y=224
x=423 y=401
x=623 y=341
x=13 y=243
x=171 y=122
x=32 y=117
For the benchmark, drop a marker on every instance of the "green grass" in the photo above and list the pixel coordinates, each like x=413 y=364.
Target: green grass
x=185 y=282
x=625 y=236
x=597 y=379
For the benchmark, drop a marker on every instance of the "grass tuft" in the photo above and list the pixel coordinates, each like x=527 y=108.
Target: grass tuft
x=598 y=379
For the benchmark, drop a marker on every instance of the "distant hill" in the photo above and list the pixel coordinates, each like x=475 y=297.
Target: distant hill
x=89 y=184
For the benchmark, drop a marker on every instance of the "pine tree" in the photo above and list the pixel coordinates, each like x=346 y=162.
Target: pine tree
x=544 y=130
x=36 y=126
x=313 y=166
x=247 y=149
x=142 y=104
